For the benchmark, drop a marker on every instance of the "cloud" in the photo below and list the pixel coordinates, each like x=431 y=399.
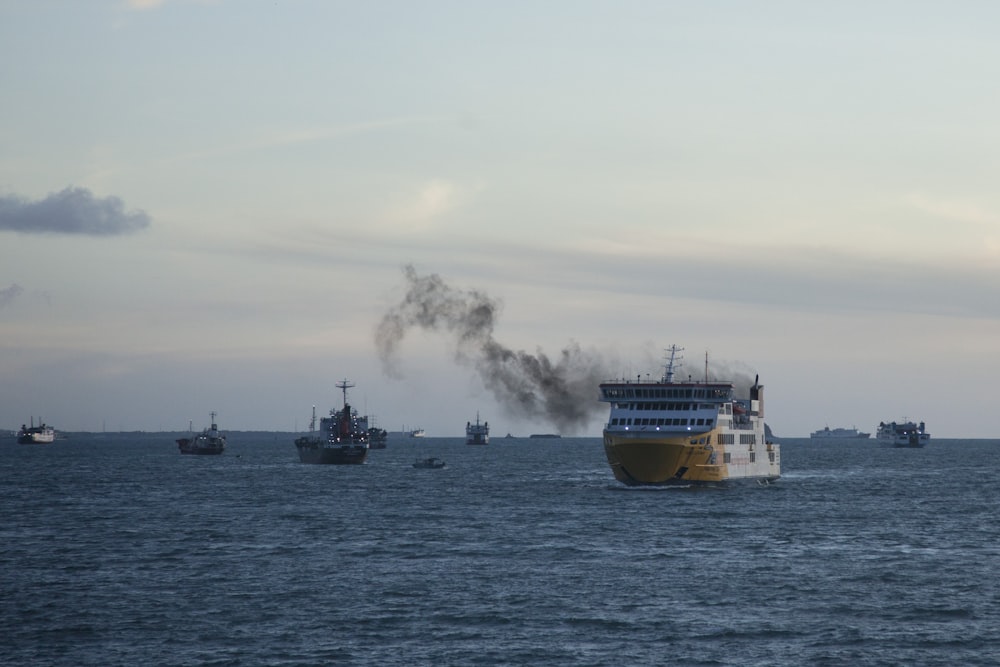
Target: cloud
x=427 y=205
x=72 y=211
x=8 y=294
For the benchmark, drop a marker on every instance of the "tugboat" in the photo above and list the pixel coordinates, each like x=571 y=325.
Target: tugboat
x=663 y=432
x=477 y=434
x=902 y=434
x=209 y=441
x=36 y=435
x=342 y=438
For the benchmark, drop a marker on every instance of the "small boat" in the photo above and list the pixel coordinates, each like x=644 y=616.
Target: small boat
x=417 y=433
x=477 y=434
x=828 y=433
x=209 y=441
x=36 y=435
x=431 y=462
x=342 y=438
x=902 y=434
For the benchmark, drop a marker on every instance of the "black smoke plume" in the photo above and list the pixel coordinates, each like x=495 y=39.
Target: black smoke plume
x=562 y=391
x=71 y=211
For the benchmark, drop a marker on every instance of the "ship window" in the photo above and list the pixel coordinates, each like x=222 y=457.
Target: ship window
x=770 y=456
x=753 y=457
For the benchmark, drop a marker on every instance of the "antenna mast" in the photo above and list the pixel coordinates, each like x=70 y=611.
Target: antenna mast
x=668 y=368
x=344 y=386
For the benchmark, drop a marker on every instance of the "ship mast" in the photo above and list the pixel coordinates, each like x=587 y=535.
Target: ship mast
x=668 y=368
x=344 y=386
x=312 y=422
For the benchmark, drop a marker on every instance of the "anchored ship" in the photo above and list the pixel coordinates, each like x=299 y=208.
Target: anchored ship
x=209 y=441
x=902 y=434
x=36 y=435
x=342 y=437
x=838 y=433
x=477 y=434
x=664 y=432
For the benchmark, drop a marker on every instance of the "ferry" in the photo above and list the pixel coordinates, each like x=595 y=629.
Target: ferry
x=828 y=433
x=209 y=441
x=477 y=434
x=902 y=434
x=663 y=432
x=343 y=436
x=42 y=434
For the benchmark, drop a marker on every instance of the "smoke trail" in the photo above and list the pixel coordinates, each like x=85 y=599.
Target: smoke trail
x=562 y=391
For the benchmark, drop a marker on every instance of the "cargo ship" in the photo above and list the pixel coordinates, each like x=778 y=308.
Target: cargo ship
x=664 y=432
x=209 y=441
x=342 y=437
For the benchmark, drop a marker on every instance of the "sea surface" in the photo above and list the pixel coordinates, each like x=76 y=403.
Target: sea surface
x=117 y=550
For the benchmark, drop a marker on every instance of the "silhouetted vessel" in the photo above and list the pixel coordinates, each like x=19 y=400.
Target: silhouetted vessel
x=377 y=437
x=342 y=438
x=42 y=434
x=664 y=432
x=431 y=462
x=902 y=434
x=209 y=441
x=477 y=434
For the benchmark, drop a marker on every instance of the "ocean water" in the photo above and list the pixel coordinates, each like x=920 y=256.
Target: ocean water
x=117 y=550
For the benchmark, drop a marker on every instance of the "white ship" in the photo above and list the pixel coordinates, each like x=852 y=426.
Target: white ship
x=663 y=432
x=903 y=434
x=477 y=434
x=839 y=434
x=36 y=435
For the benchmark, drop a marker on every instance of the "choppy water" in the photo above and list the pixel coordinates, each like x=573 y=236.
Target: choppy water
x=120 y=551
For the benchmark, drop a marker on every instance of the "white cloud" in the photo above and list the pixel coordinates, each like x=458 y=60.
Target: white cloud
x=424 y=207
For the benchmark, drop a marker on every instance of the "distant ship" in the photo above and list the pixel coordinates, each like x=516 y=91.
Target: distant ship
x=342 y=438
x=377 y=437
x=477 y=434
x=209 y=441
x=838 y=433
x=36 y=435
x=902 y=434
x=544 y=435
x=417 y=433
x=663 y=432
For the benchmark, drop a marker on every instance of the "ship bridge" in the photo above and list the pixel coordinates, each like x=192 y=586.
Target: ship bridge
x=692 y=407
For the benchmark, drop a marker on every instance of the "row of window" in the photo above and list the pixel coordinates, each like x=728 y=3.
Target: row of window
x=659 y=421
x=713 y=393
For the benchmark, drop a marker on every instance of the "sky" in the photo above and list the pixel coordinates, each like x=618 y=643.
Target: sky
x=233 y=205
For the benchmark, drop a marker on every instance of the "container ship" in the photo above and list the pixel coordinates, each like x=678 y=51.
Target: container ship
x=663 y=432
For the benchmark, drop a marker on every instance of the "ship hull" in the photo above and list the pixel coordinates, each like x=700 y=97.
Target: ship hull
x=643 y=459
x=905 y=441
x=186 y=446
x=341 y=455
x=36 y=438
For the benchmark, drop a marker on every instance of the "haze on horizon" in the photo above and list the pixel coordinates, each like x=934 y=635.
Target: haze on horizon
x=211 y=205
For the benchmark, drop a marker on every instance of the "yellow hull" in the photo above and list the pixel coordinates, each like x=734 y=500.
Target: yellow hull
x=644 y=459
